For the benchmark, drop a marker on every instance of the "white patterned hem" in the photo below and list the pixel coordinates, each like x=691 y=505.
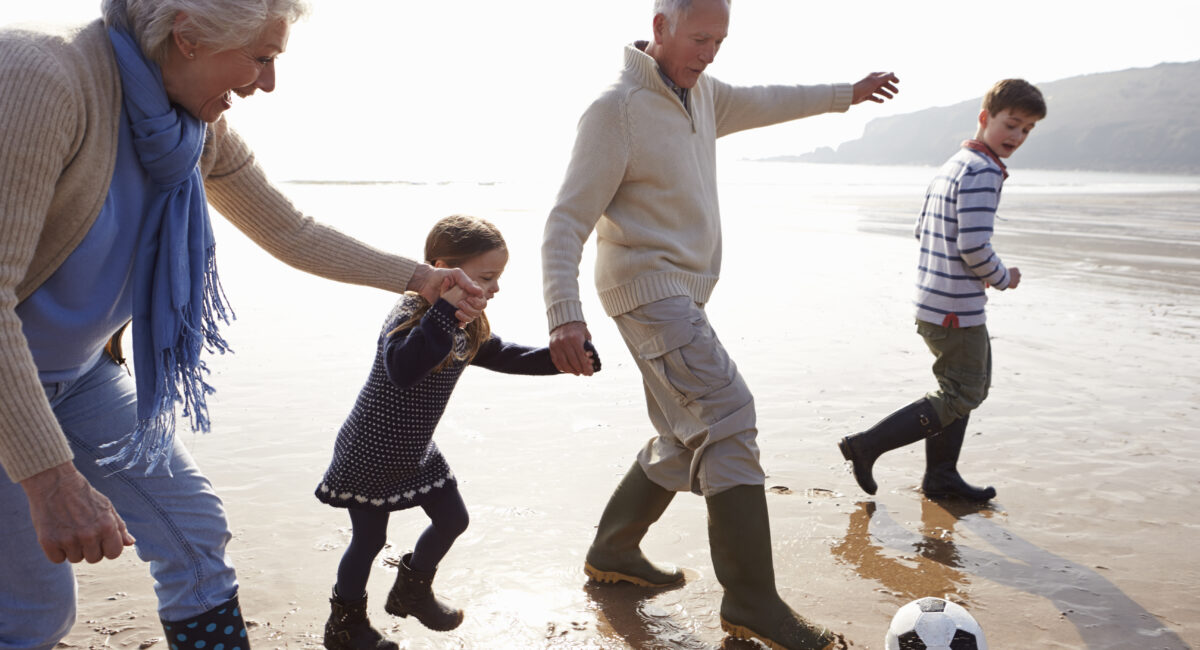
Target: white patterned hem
x=405 y=496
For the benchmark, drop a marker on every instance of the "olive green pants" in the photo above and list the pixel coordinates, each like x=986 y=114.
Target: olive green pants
x=962 y=365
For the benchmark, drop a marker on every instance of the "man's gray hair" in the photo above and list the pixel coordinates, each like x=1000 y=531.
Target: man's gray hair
x=219 y=24
x=675 y=11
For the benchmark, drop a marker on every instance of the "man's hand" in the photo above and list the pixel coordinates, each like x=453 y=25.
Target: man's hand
x=1014 y=277
x=567 y=351
x=432 y=282
x=875 y=87
x=73 y=521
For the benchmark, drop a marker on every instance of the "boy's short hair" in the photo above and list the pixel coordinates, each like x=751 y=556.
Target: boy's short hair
x=1015 y=95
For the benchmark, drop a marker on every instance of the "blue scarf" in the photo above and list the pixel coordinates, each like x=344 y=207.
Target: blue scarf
x=177 y=298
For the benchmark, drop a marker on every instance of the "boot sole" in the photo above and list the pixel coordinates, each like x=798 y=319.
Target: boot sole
x=745 y=633
x=613 y=577
x=987 y=495
x=435 y=628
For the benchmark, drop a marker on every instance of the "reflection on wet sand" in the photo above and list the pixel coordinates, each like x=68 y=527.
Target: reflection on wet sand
x=931 y=563
x=933 y=571
x=631 y=614
x=662 y=618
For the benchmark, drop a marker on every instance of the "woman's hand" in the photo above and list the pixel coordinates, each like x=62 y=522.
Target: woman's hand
x=73 y=521
x=454 y=286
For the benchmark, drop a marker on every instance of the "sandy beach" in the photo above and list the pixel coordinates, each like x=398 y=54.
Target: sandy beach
x=1089 y=434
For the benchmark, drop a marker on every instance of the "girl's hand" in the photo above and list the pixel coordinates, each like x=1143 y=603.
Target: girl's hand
x=433 y=283
x=593 y=355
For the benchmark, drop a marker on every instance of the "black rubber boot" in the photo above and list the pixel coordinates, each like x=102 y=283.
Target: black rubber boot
x=904 y=427
x=615 y=554
x=739 y=535
x=348 y=627
x=221 y=625
x=942 y=479
x=413 y=594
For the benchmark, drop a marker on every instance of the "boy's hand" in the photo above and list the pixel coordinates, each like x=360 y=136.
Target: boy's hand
x=1014 y=277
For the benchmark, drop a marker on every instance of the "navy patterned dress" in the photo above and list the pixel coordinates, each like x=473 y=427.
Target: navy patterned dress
x=385 y=457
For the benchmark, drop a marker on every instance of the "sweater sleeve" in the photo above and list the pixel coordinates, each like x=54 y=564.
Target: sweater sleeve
x=38 y=125
x=517 y=359
x=410 y=355
x=514 y=358
x=978 y=198
x=748 y=107
x=596 y=169
x=238 y=187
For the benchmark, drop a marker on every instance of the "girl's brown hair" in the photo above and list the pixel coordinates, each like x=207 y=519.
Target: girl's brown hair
x=453 y=240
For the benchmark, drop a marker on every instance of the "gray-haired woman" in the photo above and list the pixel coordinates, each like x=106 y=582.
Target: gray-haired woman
x=112 y=145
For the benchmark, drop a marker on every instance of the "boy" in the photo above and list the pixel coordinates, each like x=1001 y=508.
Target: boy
x=956 y=265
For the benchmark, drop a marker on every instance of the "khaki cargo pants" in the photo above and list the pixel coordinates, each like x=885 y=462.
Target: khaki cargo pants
x=698 y=402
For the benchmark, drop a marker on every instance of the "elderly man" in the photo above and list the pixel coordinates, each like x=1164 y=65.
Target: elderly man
x=643 y=175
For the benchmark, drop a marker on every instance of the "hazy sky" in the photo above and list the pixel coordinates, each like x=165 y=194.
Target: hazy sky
x=392 y=88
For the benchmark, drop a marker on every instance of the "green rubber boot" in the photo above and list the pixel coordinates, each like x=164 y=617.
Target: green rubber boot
x=739 y=534
x=615 y=554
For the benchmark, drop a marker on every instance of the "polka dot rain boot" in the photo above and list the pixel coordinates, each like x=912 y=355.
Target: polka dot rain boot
x=220 y=628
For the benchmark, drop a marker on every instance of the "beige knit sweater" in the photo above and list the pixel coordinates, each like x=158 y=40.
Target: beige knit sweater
x=60 y=99
x=643 y=175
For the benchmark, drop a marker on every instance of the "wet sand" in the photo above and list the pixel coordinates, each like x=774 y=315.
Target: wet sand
x=1088 y=436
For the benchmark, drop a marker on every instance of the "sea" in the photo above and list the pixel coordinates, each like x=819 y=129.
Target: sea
x=804 y=244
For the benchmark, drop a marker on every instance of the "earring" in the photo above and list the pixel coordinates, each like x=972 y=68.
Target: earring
x=191 y=55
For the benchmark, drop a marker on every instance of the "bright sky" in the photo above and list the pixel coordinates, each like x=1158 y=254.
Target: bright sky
x=395 y=89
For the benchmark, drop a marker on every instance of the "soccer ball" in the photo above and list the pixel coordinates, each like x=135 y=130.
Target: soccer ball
x=934 y=624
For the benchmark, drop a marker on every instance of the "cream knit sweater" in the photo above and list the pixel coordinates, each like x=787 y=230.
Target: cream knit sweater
x=60 y=99
x=643 y=176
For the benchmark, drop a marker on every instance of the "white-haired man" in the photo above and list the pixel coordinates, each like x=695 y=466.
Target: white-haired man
x=643 y=176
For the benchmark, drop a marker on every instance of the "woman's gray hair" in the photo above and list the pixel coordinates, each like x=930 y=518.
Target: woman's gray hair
x=219 y=24
x=675 y=11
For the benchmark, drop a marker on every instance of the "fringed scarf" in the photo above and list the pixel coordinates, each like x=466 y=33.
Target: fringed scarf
x=177 y=297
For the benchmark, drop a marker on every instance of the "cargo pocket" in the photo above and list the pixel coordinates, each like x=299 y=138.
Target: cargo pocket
x=680 y=355
x=932 y=332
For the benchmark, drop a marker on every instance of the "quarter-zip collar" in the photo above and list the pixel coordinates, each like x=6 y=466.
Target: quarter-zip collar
x=647 y=72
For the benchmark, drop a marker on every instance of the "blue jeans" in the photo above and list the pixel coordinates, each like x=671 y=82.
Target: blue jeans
x=178 y=521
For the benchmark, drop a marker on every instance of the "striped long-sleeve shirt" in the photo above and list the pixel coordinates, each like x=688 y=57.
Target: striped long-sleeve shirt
x=957 y=262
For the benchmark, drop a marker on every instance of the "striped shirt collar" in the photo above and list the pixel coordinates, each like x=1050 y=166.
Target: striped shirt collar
x=981 y=147
x=682 y=93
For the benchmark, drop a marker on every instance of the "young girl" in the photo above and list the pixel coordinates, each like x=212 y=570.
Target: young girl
x=385 y=458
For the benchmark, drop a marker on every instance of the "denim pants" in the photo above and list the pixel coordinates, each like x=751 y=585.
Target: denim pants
x=697 y=400
x=962 y=366
x=178 y=521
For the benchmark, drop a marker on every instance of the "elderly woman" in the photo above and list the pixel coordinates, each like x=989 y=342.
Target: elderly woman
x=112 y=144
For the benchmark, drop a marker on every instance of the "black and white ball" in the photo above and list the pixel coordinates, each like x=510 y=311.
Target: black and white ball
x=934 y=624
